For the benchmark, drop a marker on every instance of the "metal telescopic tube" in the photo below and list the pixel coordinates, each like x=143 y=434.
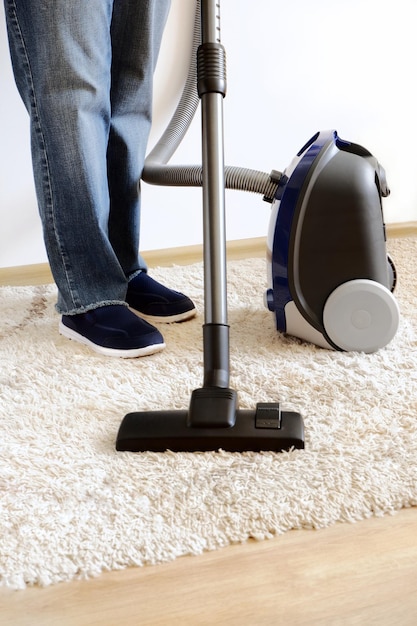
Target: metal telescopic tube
x=210 y=21
x=211 y=86
x=214 y=211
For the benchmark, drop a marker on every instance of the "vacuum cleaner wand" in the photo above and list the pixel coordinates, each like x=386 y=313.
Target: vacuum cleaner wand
x=213 y=420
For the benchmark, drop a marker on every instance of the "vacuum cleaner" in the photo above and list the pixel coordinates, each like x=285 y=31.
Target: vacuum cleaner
x=213 y=419
x=330 y=278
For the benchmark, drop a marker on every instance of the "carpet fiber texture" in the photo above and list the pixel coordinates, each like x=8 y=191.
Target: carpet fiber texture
x=72 y=507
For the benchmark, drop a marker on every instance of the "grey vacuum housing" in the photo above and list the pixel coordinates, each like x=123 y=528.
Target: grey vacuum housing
x=329 y=276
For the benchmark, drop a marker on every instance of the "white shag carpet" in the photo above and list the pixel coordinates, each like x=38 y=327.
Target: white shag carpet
x=72 y=507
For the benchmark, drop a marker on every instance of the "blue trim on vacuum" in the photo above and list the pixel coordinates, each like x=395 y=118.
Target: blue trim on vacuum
x=288 y=196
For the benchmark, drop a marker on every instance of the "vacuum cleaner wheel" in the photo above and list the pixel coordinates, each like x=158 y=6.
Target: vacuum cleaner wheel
x=392 y=273
x=361 y=315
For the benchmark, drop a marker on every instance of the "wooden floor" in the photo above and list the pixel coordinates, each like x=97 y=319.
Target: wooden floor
x=362 y=574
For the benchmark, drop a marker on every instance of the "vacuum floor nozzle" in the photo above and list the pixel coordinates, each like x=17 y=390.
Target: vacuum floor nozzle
x=265 y=428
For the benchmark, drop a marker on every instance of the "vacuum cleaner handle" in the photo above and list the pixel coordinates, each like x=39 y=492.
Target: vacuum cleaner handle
x=211 y=85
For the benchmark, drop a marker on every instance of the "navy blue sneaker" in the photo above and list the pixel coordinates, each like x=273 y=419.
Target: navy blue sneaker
x=158 y=303
x=113 y=331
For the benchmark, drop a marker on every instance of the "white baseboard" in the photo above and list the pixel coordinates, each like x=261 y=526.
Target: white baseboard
x=40 y=274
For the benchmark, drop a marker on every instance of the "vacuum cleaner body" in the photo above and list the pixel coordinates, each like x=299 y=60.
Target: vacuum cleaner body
x=330 y=280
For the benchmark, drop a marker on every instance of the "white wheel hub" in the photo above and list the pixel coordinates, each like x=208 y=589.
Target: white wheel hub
x=361 y=315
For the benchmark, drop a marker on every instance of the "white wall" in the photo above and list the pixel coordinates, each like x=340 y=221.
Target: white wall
x=293 y=68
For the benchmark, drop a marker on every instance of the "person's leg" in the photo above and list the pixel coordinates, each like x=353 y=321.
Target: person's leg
x=136 y=36
x=61 y=54
x=136 y=33
x=65 y=70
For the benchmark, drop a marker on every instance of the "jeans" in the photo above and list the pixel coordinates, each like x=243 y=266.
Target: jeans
x=84 y=69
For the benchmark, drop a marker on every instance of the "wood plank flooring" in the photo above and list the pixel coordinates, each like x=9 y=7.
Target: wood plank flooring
x=363 y=573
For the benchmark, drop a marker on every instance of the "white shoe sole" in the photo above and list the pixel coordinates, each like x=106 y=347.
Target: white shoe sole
x=123 y=354
x=166 y=319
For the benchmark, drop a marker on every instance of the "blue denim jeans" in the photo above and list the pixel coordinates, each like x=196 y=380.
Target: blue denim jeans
x=84 y=69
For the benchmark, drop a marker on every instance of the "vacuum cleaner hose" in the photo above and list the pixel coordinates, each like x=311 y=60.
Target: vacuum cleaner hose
x=157 y=171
